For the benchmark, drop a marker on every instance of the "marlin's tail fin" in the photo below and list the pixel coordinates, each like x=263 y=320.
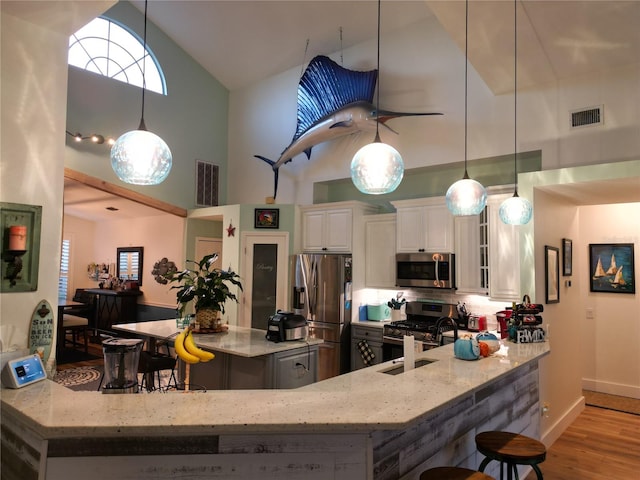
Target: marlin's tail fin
x=275 y=173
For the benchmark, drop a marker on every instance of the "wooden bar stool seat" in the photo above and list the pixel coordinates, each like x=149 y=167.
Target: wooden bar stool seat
x=513 y=449
x=453 y=473
x=76 y=325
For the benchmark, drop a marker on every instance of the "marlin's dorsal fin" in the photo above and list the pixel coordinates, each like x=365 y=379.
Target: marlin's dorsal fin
x=326 y=87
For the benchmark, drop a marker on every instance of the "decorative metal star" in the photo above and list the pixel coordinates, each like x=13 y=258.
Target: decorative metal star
x=231 y=231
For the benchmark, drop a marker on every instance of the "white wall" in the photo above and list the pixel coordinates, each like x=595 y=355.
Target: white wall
x=560 y=372
x=33 y=76
x=161 y=236
x=423 y=70
x=610 y=356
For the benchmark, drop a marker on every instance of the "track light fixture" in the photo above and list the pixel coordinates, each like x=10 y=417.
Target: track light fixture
x=94 y=138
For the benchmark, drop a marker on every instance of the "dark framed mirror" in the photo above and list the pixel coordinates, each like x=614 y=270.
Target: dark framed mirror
x=129 y=264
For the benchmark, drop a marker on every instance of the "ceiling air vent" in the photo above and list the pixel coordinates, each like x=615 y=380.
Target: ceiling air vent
x=587 y=117
x=206 y=184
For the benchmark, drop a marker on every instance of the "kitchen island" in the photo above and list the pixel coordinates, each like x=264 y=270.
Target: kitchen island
x=367 y=424
x=244 y=358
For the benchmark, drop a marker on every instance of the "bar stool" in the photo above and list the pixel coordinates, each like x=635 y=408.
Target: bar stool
x=76 y=325
x=453 y=473
x=513 y=449
x=153 y=363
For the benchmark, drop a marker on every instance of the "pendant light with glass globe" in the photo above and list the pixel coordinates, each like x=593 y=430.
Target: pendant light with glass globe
x=140 y=157
x=466 y=196
x=515 y=210
x=377 y=168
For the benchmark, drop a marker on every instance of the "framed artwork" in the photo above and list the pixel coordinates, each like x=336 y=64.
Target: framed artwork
x=567 y=254
x=20 y=226
x=611 y=268
x=552 y=274
x=267 y=218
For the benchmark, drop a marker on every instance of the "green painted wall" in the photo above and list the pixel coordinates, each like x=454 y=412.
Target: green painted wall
x=432 y=181
x=191 y=118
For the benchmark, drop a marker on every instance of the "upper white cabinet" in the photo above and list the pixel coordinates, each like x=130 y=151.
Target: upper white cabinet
x=380 y=250
x=471 y=255
x=330 y=227
x=424 y=225
x=487 y=254
x=504 y=254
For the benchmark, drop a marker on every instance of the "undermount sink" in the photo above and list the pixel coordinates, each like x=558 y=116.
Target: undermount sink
x=397 y=369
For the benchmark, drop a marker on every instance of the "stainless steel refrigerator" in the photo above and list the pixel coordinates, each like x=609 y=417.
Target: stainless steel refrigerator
x=322 y=294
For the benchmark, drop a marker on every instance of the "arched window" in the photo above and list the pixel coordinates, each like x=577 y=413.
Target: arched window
x=104 y=47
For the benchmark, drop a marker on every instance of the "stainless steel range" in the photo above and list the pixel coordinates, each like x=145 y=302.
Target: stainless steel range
x=426 y=321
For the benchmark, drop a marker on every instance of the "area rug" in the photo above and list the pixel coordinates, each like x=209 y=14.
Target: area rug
x=80 y=378
x=612 y=402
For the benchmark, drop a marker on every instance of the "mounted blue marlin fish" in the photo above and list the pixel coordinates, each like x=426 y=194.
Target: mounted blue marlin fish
x=332 y=102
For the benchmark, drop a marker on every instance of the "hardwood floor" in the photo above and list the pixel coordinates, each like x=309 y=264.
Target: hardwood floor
x=94 y=349
x=599 y=445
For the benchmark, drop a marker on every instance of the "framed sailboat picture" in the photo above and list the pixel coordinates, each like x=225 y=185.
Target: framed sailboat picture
x=611 y=268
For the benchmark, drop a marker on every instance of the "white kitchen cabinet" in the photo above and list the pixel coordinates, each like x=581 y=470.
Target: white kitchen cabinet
x=487 y=254
x=424 y=225
x=380 y=250
x=471 y=249
x=330 y=227
x=373 y=336
x=504 y=254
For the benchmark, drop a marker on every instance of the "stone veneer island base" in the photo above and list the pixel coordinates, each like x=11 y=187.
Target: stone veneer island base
x=362 y=425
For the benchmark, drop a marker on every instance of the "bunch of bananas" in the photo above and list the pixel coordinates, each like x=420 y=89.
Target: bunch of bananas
x=187 y=349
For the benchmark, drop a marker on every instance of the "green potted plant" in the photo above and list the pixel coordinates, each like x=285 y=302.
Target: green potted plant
x=207 y=287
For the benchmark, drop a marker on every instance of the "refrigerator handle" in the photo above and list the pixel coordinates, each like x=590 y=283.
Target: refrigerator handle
x=312 y=288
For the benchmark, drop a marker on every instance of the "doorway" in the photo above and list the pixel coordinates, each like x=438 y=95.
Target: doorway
x=265 y=277
x=207 y=246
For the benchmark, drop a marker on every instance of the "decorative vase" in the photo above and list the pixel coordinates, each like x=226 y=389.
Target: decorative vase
x=207 y=317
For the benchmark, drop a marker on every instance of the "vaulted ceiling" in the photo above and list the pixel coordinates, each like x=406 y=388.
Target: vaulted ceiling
x=243 y=42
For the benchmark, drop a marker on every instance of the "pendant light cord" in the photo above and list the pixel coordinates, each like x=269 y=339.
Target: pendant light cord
x=466 y=67
x=144 y=64
x=377 y=139
x=515 y=95
x=304 y=59
x=341 y=49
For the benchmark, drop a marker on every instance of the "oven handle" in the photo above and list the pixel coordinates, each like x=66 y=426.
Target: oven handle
x=399 y=341
x=392 y=340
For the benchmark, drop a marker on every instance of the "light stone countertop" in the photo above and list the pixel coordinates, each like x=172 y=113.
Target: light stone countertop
x=240 y=341
x=362 y=401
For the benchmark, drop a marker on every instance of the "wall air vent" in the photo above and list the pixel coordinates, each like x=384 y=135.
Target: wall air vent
x=206 y=184
x=587 y=117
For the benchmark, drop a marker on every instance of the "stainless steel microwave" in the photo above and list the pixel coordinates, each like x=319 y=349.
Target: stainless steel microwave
x=426 y=270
